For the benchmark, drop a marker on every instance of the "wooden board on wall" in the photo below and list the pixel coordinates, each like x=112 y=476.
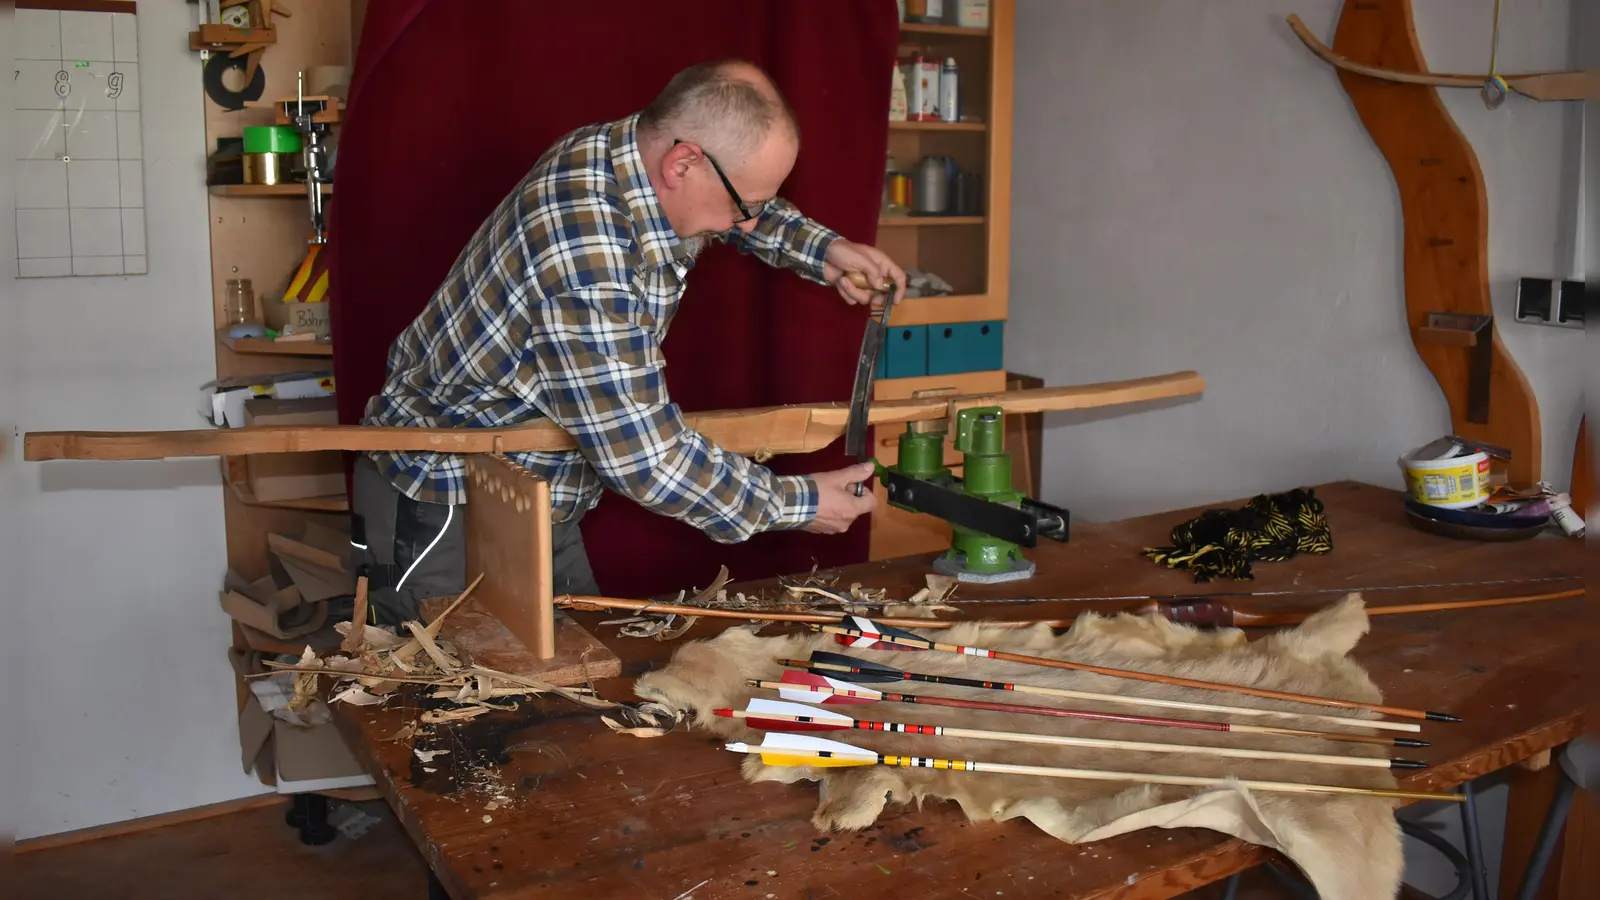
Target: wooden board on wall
x=1445 y=210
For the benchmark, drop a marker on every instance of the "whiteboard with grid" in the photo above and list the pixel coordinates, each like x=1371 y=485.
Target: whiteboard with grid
x=76 y=141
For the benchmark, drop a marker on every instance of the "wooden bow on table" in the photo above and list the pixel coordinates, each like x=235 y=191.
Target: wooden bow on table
x=1209 y=612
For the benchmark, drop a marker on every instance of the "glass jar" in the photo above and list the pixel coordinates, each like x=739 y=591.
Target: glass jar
x=239 y=302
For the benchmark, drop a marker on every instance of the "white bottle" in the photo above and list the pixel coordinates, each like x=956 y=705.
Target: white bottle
x=897 y=95
x=950 y=91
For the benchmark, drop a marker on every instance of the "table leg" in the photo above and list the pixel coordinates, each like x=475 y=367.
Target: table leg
x=1469 y=828
x=309 y=814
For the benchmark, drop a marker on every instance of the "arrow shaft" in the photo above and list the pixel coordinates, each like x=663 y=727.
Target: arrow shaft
x=1173 y=680
x=957 y=681
x=921 y=762
x=779 y=722
x=789 y=757
x=1120 y=718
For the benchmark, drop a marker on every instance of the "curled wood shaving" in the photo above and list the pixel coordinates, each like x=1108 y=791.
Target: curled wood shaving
x=406 y=733
x=437 y=623
x=372 y=637
x=671 y=634
x=439 y=657
x=441 y=716
x=644 y=721
x=866 y=595
x=642 y=731
x=355 y=695
x=713 y=590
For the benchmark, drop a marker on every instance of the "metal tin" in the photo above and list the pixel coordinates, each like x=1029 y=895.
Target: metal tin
x=267 y=168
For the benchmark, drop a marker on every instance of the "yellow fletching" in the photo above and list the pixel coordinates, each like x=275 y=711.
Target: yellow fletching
x=819 y=762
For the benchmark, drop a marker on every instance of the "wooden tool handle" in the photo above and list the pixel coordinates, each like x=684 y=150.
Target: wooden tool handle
x=859 y=279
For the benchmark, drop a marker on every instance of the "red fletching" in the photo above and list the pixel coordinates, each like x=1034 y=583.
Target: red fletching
x=866 y=643
x=790 y=725
x=803 y=680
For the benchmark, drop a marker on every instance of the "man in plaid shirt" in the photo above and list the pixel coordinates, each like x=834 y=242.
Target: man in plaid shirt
x=557 y=308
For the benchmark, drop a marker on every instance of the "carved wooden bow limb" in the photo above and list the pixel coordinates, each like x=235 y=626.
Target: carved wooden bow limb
x=1535 y=85
x=779 y=429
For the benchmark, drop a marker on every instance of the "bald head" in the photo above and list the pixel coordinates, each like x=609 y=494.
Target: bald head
x=729 y=107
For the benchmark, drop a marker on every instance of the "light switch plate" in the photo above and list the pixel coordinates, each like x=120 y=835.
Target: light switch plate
x=1536 y=301
x=1569 y=305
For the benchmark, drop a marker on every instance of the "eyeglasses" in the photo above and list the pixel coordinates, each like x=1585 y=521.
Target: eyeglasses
x=747 y=211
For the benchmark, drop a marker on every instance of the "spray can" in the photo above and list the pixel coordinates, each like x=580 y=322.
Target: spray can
x=950 y=91
x=1570 y=520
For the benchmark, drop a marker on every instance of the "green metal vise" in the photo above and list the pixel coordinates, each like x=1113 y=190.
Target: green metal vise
x=990 y=520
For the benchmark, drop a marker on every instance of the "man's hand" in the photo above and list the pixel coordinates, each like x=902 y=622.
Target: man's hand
x=837 y=503
x=849 y=256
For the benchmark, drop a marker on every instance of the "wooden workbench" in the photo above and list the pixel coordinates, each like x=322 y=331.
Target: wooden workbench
x=604 y=815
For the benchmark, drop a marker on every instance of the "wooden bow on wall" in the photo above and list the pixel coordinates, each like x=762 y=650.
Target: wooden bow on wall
x=1544 y=86
x=1446 y=212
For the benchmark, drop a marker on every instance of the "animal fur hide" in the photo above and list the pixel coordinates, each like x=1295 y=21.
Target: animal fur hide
x=1349 y=847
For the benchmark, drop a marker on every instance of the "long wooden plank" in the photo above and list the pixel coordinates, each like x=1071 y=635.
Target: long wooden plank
x=781 y=429
x=1446 y=211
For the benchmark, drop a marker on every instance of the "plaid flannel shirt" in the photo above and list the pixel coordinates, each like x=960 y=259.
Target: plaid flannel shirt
x=556 y=309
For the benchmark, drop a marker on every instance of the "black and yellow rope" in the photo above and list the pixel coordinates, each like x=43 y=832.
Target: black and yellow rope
x=1269 y=528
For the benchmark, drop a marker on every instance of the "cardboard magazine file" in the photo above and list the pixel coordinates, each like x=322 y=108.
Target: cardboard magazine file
x=294 y=751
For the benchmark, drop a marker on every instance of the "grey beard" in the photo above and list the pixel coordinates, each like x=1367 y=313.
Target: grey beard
x=691 y=246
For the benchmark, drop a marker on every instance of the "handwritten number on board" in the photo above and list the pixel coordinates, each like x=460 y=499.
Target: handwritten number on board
x=63 y=84
x=114 y=85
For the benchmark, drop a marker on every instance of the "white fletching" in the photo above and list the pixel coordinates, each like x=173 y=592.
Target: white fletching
x=759 y=706
x=804 y=743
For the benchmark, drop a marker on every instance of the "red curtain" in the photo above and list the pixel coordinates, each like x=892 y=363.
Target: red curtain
x=451 y=103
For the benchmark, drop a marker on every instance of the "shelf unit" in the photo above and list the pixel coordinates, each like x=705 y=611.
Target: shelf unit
x=246 y=346
x=972 y=253
x=264 y=190
x=260 y=232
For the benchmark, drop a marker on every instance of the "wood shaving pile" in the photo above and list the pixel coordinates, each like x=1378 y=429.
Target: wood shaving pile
x=813 y=592
x=373 y=663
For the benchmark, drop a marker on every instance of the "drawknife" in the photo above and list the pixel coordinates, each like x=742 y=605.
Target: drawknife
x=855 y=435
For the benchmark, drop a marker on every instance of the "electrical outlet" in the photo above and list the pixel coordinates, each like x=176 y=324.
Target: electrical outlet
x=1569 y=304
x=1535 y=301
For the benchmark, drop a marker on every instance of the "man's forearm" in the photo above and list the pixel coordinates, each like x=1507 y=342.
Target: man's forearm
x=785 y=237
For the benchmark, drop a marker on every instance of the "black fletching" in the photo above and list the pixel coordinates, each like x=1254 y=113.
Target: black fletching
x=862 y=670
x=872 y=629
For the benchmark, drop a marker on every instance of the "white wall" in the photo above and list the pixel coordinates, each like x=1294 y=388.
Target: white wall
x=128 y=704
x=1194 y=191
x=10 y=638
